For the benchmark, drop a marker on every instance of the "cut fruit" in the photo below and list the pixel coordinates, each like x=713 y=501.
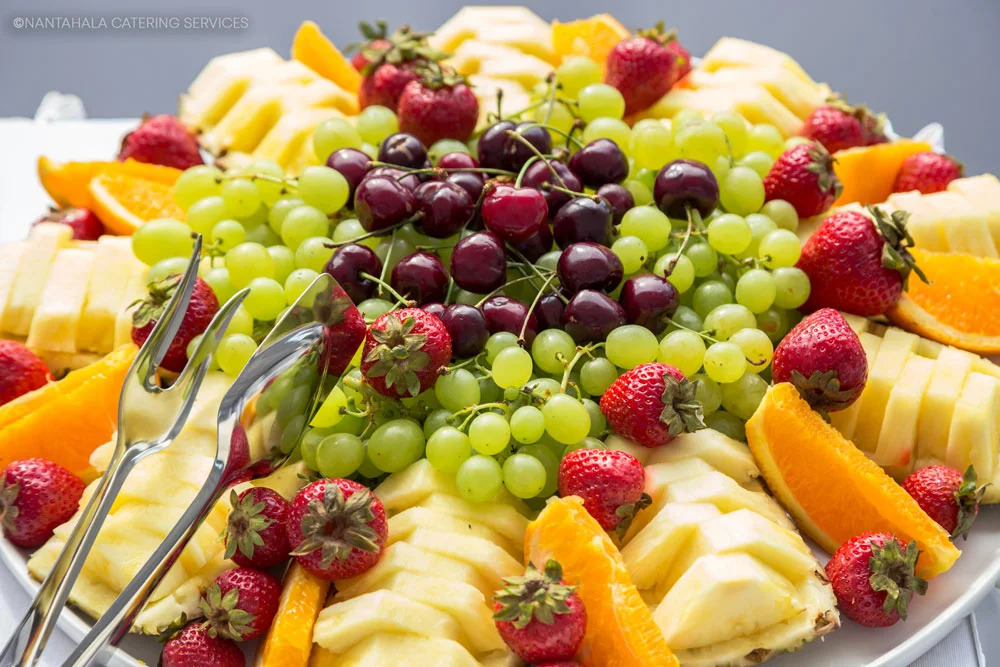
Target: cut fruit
x=883 y=375
x=68 y=182
x=289 y=639
x=621 y=631
x=124 y=202
x=960 y=306
x=868 y=172
x=846 y=421
x=898 y=438
x=313 y=49
x=802 y=457
x=593 y=37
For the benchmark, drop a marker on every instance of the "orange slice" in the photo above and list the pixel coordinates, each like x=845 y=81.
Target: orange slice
x=125 y=201
x=960 y=307
x=314 y=50
x=832 y=490
x=621 y=631
x=66 y=421
x=868 y=172
x=289 y=640
x=67 y=182
x=593 y=37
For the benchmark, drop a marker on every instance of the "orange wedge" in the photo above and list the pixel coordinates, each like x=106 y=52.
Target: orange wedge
x=960 y=307
x=593 y=37
x=621 y=631
x=67 y=182
x=868 y=172
x=66 y=421
x=289 y=640
x=125 y=201
x=832 y=490
x=314 y=50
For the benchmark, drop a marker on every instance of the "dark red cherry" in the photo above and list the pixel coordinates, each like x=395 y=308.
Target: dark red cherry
x=591 y=315
x=649 y=301
x=686 y=183
x=619 y=197
x=468 y=329
x=517 y=153
x=549 y=311
x=435 y=309
x=346 y=265
x=585 y=266
x=583 y=219
x=514 y=214
x=421 y=277
x=469 y=181
x=535 y=246
x=445 y=208
x=599 y=162
x=381 y=202
x=457 y=160
x=352 y=165
x=478 y=263
x=493 y=145
x=409 y=180
x=506 y=314
x=404 y=150
x=539 y=176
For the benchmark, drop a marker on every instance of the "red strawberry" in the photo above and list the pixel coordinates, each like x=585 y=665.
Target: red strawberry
x=241 y=604
x=539 y=616
x=36 y=496
x=201 y=309
x=836 y=127
x=927 y=172
x=947 y=496
x=803 y=176
x=391 y=63
x=161 y=140
x=439 y=105
x=874 y=129
x=856 y=266
x=345 y=328
x=610 y=483
x=873 y=578
x=193 y=647
x=378 y=42
x=85 y=225
x=21 y=371
x=337 y=528
x=255 y=532
x=643 y=68
x=405 y=352
x=652 y=404
x=823 y=358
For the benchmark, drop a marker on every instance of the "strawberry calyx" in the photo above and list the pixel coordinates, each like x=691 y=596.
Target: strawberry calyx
x=338 y=525
x=222 y=617
x=536 y=595
x=682 y=412
x=968 y=496
x=405 y=45
x=398 y=355
x=822 y=391
x=435 y=76
x=170 y=630
x=873 y=123
x=151 y=308
x=658 y=33
x=896 y=251
x=627 y=513
x=893 y=572
x=244 y=526
x=821 y=163
x=8 y=497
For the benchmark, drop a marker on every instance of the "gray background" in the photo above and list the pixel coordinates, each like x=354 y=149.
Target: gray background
x=917 y=60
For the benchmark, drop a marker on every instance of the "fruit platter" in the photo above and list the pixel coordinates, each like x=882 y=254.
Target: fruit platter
x=634 y=358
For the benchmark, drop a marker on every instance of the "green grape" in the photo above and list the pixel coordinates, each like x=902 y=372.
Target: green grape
x=512 y=367
x=297 y=282
x=549 y=260
x=648 y=224
x=310 y=443
x=456 y=390
x=566 y=420
x=340 y=455
x=707 y=392
x=162 y=239
x=233 y=353
x=372 y=309
x=757 y=348
x=741 y=191
x=682 y=274
x=702 y=142
x=291 y=434
x=600 y=100
x=375 y=123
x=727 y=319
x=527 y=424
x=729 y=234
x=241 y=322
x=756 y=290
x=631 y=345
x=555 y=115
x=614 y=129
x=596 y=375
x=724 y=362
x=686 y=317
x=292 y=404
x=368 y=469
x=710 y=295
x=443 y=147
x=544 y=388
x=489 y=433
x=479 y=478
x=792 y=287
x=263 y=235
x=683 y=349
x=489 y=392
x=283 y=260
x=766 y=138
x=332 y=135
x=727 y=424
x=270 y=189
x=390 y=252
x=228 y=234
x=648 y=178
x=350 y=229
x=396 y=444
x=735 y=127
x=685 y=118
x=371 y=150
x=324 y=188
x=703 y=258
x=760 y=226
x=242 y=197
x=332 y=410
x=742 y=397
x=497 y=342
x=598 y=423
x=166 y=268
x=652 y=145
x=727 y=278
x=586 y=443
x=641 y=195
x=302 y=223
x=313 y=253
x=523 y=475
x=447 y=449
x=552 y=349
x=195 y=184
x=780 y=248
x=248 y=261
x=266 y=299
x=773 y=322
x=434 y=422
x=576 y=73
x=550 y=462
x=783 y=214
x=759 y=161
x=255 y=219
x=281 y=208
x=720 y=166
x=631 y=251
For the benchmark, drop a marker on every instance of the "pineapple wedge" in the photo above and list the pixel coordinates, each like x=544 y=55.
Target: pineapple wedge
x=60 y=307
x=898 y=437
x=846 y=421
x=106 y=293
x=516 y=27
x=897 y=345
x=44 y=243
x=401 y=650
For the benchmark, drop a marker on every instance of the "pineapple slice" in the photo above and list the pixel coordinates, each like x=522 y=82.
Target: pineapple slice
x=728 y=496
x=720 y=452
x=399 y=650
x=846 y=421
x=650 y=553
x=796 y=95
x=897 y=346
x=55 y=321
x=973 y=434
x=291 y=134
x=402 y=526
x=898 y=437
x=223 y=81
x=499 y=62
x=924 y=223
x=950 y=371
x=44 y=243
x=964 y=224
x=516 y=27
x=732 y=52
x=490 y=560
x=106 y=293
x=134 y=291
x=983 y=192
x=10 y=262
x=502 y=518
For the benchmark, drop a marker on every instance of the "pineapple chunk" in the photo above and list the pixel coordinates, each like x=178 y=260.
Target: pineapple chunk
x=983 y=192
x=517 y=27
x=846 y=421
x=728 y=496
x=924 y=223
x=291 y=134
x=897 y=346
x=57 y=317
x=410 y=486
x=898 y=437
x=404 y=557
x=950 y=371
x=964 y=225
x=732 y=52
x=10 y=262
x=797 y=95
x=720 y=452
x=223 y=81
x=490 y=560
x=615 y=441
x=973 y=434
x=402 y=525
x=499 y=62
x=502 y=518
x=106 y=293
x=44 y=243
x=135 y=291
x=403 y=650
x=649 y=554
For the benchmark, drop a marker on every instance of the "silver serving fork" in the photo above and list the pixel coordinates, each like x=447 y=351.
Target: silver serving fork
x=251 y=444
x=137 y=438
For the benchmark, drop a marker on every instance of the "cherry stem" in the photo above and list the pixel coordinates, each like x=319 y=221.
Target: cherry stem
x=569 y=135
x=402 y=300
x=537 y=270
x=574 y=193
x=499 y=289
x=439 y=171
x=672 y=264
x=516 y=135
x=580 y=353
x=531 y=309
x=367 y=235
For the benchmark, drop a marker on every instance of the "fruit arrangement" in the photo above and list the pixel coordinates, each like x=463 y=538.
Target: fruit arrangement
x=610 y=333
